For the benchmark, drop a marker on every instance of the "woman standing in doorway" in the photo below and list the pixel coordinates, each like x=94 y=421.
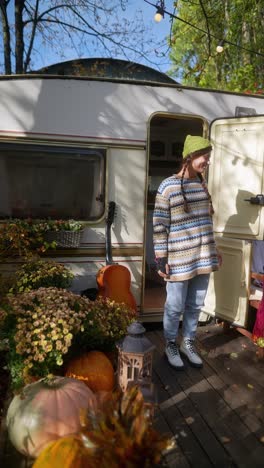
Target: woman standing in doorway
x=185 y=248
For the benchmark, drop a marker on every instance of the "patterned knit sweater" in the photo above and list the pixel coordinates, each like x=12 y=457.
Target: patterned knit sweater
x=186 y=239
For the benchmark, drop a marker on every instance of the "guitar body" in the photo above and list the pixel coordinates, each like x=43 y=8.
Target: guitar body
x=114 y=283
x=114 y=280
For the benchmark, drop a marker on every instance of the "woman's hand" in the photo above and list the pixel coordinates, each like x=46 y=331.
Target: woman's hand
x=163 y=268
x=167 y=272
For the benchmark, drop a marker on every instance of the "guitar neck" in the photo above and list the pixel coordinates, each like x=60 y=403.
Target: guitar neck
x=108 y=246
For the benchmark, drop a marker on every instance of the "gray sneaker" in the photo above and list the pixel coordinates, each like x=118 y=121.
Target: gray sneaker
x=188 y=349
x=173 y=355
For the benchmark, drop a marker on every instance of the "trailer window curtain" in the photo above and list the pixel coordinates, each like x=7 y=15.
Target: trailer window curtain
x=51 y=182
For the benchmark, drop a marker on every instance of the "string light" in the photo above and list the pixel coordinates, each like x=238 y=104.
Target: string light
x=160 y=11
x=161 y=6
x=220 y=47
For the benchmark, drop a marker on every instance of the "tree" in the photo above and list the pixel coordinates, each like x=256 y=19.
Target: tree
x=29 y=26
x=195 y=36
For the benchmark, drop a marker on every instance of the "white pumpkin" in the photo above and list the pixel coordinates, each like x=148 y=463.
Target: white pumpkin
x=46 y=410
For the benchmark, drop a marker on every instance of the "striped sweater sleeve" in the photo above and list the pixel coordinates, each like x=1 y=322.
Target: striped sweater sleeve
x=161 y=223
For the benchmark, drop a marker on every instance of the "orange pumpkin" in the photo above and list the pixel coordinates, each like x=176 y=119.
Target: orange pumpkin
x=46 y=410
x=67 y=452
x=94 y=369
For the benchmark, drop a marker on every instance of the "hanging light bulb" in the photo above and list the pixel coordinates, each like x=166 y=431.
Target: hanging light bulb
x=220 y=47
x=160 y=11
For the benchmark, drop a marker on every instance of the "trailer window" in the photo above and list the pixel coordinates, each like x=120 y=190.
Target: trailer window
x=51 y=182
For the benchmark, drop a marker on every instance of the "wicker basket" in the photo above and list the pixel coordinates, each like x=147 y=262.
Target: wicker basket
x=66 y=239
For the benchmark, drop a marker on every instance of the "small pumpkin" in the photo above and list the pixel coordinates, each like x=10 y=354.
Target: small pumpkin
x=66 y=452
x=94 y=369
x=46 y=410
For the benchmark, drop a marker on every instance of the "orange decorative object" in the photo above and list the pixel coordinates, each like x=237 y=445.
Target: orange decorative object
x=67 y=452
x=114 y=282
x=94 y=369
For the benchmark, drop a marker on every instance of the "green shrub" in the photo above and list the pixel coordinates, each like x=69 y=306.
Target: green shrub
x=41 y=274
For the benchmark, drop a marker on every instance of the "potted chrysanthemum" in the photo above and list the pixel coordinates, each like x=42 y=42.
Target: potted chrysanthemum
x=47 y=327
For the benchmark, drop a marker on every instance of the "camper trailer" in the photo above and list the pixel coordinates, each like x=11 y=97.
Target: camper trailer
x=69 y=145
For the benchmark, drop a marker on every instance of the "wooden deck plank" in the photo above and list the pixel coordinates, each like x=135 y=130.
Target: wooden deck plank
x=237 y=432
x=194 y=425
x=235 y=428
x=242 y=384
x=210 y=411
x=222 y=345
x=175 y=457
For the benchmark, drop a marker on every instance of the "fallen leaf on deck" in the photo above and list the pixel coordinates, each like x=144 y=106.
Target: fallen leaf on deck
x=250 y=386
x=225 y=440
x=262 y=439
x=234 y=355
x=189 y=420
x=203 y=352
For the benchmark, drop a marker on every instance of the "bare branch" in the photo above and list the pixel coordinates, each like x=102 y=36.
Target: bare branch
x=6 y=36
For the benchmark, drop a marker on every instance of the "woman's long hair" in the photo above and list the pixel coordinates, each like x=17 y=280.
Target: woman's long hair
x=186 y=162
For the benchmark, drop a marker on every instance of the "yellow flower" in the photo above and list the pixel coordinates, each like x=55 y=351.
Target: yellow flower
x=48 y=348
x=59 y=361
x=58 y=345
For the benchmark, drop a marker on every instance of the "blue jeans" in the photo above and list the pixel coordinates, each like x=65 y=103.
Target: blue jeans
x=184 y=298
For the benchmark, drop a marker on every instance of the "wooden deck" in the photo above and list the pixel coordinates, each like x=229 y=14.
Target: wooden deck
x=216 y=413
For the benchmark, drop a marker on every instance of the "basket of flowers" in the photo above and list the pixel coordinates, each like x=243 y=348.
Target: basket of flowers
x=66 y=233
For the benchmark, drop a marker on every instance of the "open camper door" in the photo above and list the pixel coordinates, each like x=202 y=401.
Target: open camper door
x=236 y=185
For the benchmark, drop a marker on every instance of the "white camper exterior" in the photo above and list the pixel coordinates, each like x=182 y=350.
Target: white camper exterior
x=136 y=131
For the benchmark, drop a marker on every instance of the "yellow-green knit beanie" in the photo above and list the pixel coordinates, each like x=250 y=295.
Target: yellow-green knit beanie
x=196 y=144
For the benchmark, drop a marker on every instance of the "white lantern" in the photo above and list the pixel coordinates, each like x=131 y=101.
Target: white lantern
x=135 y=356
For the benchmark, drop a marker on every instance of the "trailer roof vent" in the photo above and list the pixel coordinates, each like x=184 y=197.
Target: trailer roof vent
x=244 y=111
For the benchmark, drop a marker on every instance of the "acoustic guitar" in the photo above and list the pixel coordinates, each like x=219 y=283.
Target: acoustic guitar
x=114 y=280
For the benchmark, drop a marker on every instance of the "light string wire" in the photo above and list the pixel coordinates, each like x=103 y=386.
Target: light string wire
x=223 y=41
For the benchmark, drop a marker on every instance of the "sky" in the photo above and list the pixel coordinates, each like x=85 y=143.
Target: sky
x=160 y=30
x=158 y=54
